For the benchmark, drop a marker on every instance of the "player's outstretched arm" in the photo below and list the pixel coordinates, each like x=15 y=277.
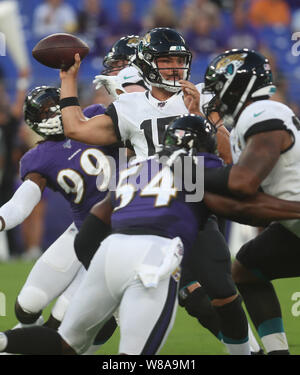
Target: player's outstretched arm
x=257 y=210
x=97 y=130
x=22 y=203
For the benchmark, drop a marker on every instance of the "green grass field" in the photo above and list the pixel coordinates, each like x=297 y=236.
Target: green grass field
x=187 y=336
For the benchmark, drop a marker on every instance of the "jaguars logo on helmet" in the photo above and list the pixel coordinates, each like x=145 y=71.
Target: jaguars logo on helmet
x=234 y=78
x=237 y=58
x=123 y=50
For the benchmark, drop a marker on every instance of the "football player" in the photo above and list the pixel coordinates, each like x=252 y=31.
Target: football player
x=150 y=264
x=265 y=147
x=148 y=270
x=164 y=60
x=120 y=55
x=71 y=168
x=119 y=73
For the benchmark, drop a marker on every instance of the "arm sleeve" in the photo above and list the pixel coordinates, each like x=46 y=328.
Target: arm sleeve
x=87 y=241
x=20 y=206
x=216 y=180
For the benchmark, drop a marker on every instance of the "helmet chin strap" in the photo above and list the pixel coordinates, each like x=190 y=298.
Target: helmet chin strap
x=167 y=87
x=170 y=88
x=170 y=85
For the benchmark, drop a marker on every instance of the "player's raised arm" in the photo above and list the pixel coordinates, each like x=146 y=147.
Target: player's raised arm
x=97 y=130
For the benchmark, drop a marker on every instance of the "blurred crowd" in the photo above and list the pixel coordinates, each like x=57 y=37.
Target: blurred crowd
x=209 y=26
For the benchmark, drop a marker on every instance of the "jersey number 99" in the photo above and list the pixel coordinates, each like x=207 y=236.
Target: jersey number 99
x=93 y=162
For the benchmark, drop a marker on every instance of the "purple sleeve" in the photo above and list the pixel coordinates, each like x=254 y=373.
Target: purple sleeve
x=213 y=163
x=93 y=110
x=33 y=161
x=211 y=160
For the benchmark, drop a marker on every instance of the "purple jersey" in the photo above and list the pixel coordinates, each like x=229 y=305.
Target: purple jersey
x=93 y=110
x=71 y=168
x=147 y=208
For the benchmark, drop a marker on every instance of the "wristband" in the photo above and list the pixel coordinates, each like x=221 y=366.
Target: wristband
x=69 y=102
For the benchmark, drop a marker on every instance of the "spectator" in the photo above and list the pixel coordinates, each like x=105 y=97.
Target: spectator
x=210 y=9
x=10 y=119
x=186 y=19
x=269 y=13
x=203 y=38
x=53 y=16
x=92 y=26
x=125 y=23
x=161 y=14
x=225 y=4
x=241 y=34
x=91 y=18
x=295 y=21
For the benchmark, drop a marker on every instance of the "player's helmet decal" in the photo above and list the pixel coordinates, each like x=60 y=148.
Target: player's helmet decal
x=191 y=132
x=123 y=50
x=160 y=42
x=234 y=77
x=42 y=105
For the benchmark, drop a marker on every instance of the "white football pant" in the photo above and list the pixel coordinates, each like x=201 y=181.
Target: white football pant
x=114 y=279
x=51 y=275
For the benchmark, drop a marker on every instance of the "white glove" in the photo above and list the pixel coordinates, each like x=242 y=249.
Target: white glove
x=111 y=83
x=51 y=126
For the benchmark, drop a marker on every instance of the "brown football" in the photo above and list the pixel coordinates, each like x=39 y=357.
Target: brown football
x=57 y=50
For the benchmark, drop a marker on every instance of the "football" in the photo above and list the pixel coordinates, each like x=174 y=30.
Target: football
x=57 y=50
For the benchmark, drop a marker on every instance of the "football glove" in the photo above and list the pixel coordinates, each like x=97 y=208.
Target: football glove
x=111 y=83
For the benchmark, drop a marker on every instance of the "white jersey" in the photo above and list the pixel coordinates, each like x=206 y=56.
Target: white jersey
x=141 y=119
x=129 y=75
x=284 y=179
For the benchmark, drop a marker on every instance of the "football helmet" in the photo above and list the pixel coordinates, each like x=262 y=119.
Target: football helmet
x=160 y=42
x=235 y=77
x=191 y=132
x=123 y=50
x=42 y=106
